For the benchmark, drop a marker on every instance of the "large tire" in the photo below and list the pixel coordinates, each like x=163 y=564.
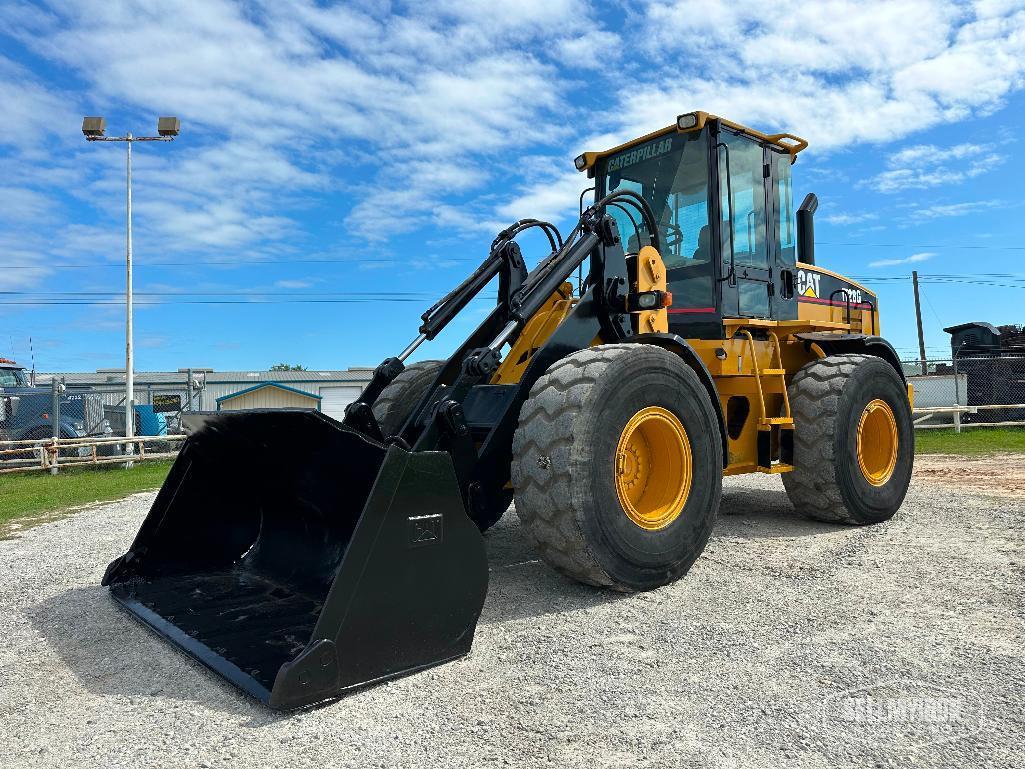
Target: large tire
x=833 y=480
x=397 y=400
x=392 y=409
x=564 y=469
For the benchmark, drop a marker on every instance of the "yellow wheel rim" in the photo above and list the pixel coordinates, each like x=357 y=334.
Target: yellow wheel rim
x=877 y=442
x=654 y=468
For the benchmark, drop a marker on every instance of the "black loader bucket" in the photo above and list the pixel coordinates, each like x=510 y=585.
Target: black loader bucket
x=299 y=559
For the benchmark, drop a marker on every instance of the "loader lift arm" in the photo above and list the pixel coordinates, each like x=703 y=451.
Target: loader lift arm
x=472 y=420
x=505 y=260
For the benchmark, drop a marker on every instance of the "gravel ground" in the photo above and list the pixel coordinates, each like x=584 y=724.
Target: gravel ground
x=789 y=644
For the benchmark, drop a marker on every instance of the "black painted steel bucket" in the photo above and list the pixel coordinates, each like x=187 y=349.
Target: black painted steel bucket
x=300 y=560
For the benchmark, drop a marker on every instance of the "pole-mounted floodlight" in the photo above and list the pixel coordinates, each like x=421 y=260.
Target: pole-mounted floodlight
x=94 y=129
x=168 y=126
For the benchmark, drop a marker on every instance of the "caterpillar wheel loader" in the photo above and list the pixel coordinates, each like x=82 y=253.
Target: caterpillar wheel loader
x=681 y=332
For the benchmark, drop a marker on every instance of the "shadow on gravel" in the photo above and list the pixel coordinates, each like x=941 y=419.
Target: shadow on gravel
x=765 y=513
x=522 y=586
x=113 y=655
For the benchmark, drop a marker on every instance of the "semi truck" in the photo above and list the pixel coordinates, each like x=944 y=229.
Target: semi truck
x=27 y=411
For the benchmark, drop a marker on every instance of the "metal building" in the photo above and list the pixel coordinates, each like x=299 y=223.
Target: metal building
x=269 y=395
x=204 y=386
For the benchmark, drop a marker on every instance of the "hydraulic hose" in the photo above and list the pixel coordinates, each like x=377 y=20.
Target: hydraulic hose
x=643 y=207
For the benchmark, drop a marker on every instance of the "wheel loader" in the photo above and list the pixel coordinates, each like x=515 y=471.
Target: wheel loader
x=681 y=332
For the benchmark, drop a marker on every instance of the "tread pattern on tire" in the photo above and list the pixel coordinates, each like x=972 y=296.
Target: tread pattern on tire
x=547 y=503
x=814 y=396
x=392 y=407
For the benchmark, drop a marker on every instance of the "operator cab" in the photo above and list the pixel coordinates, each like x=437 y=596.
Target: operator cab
x=722 y=196
x=11 y=374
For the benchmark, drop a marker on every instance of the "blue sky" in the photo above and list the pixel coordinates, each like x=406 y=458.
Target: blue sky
x=330 y=152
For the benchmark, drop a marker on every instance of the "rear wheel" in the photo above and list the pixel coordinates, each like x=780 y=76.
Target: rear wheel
x=854 y=440
x=617 y=466
x=393 y=407
x=396 y=401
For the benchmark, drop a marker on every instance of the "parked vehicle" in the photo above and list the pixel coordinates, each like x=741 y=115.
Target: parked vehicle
x=27 y=412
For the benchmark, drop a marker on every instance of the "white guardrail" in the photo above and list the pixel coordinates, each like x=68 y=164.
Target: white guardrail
x=923 y=414
x=54 y=453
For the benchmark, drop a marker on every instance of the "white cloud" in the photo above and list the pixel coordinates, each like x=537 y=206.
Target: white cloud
x=19 y=204
x=947 y=210
x=293 y=283
x=406 y=116
x=400 y=111
x=840 y=73
x=593 y=49
x=33 y=110
x=906 y=260
x=926 y=165
x=845 y=219
x=836 y=71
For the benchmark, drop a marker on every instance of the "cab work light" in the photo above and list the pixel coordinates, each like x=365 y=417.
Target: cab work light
x=648 y=300
x=688 y=121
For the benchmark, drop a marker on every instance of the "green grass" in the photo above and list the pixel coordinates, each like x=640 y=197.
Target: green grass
x=974 y=440
x=26 y=494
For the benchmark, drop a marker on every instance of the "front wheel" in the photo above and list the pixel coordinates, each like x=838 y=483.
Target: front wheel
x=617 y=466
x=854 y=442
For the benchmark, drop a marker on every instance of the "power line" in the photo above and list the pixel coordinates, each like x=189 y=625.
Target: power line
x=72 y=302
x=386 y=260
x=943 y=275
x=972 y=247
x=223 y=262
x=251 y=292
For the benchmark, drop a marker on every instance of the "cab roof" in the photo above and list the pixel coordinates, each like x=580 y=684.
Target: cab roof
x=695 y=121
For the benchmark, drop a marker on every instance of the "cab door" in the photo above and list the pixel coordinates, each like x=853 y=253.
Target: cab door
x=783 y=242
x=746 y=207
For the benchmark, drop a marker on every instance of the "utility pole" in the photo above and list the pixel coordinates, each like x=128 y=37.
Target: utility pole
x=129 y=347
x=918 y=319
x=94 y=129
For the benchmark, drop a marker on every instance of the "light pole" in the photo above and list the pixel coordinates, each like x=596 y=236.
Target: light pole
x=94 y=129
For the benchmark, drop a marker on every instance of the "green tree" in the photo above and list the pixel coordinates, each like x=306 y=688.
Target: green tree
x=287 y=367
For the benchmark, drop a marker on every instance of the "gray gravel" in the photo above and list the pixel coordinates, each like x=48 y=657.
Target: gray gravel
x=760 y=657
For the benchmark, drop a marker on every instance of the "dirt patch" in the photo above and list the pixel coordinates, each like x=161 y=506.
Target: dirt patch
x=1001 y=475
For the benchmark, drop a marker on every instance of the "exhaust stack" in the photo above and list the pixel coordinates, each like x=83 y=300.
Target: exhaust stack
x=806 y=229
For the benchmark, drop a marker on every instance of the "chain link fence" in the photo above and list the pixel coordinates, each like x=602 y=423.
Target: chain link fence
x=49 y=420
x=969 y=391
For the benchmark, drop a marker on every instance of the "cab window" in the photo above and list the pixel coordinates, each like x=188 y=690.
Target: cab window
x=671 y=173
x=11 y=378
x=746 y=186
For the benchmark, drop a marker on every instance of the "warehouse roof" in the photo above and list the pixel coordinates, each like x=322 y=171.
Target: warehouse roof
x=260 y=386
x=356 y=375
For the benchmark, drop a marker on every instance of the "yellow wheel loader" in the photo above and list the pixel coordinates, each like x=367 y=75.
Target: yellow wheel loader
x=681 y=332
